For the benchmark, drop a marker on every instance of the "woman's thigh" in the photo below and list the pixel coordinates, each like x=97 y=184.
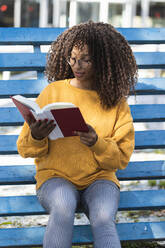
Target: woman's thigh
x=100 y=201
x=58 y=194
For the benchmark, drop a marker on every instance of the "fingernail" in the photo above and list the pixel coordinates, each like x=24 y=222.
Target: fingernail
x=46 y=119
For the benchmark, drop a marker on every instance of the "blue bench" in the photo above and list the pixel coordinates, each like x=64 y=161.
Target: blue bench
x=136 y=170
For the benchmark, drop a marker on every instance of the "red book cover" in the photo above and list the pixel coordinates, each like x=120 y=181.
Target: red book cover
x=69 y=120
x=24 y=110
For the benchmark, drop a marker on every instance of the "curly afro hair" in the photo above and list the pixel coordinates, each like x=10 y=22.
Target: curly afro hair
x=111 y=55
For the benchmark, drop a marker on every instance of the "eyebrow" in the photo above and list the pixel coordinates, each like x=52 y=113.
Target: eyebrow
x=82 y=54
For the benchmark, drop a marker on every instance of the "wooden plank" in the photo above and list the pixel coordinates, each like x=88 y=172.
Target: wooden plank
x=129 y=200
x=8 y=144
x=150 y=86
x=150 y=139
x=36 y=61
x=25 y=174
x=141 y=170
x=148 y=112
x=17 y=174
x=28 y=88
x=31 y=88
x=144 y=35
x=150 y=60
x=33 y=236
x=10 y=116
x=22 y=61
x=29 y=36
x=143 y=140
x=44 y=36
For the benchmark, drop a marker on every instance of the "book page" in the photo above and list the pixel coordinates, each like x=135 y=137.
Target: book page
x=32 y=105
x=56 y=133
x=58 y=105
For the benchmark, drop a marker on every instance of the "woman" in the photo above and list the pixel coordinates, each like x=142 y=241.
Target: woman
x=92 y=66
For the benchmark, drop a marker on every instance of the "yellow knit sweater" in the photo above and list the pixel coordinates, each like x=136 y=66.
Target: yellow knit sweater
x=68 y=157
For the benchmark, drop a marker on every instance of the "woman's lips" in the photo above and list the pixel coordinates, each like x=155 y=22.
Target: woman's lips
x=78 y=74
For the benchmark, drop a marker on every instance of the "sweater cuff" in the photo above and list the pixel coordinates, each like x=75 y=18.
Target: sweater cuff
x=100 y=146
x=38 y=143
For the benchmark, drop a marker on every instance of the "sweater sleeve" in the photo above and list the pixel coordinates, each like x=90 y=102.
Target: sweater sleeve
x=114 y=152
x=28 y=146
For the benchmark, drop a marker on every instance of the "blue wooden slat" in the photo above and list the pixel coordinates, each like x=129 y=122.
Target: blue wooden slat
x=143 y=140
x=20 y=205
x=141 y=231
x=33 y=236
x=47 y=35
x=150 y=60
x=143 y=170
x=138 y=200
x=144 y=35
x=148 y=86
x=148 y=112
x=129 y=200
x=150 y=139
x=8 y=144
x=36 y=61
x=29 y=36
x=31 y=88
x=25 y=174
x=28 y=88
x=22 y=61
x=141 y=113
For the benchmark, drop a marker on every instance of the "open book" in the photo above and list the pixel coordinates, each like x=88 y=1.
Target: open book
x=66 y=116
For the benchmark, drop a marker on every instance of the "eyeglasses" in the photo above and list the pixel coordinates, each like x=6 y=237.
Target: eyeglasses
x=84 y=63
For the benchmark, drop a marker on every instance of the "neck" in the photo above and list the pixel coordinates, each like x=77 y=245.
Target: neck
x=86 y=85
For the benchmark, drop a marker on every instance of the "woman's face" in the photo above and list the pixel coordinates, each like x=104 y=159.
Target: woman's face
x=81 y=64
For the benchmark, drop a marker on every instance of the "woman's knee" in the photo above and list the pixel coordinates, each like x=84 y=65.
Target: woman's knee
x=64 y=202
x=58 y=195
x=103 y=216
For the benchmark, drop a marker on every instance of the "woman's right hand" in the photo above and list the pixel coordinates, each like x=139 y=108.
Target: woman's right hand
x=41 y=128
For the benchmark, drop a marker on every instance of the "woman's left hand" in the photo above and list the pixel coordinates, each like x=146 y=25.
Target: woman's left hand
x=88 y=139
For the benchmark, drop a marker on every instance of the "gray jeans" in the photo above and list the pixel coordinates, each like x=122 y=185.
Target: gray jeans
x=60 y=199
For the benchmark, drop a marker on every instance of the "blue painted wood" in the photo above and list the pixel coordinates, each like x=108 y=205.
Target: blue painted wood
x=148 y=112
x=143 y=140
x=150 y=86
x=129 y=200
x=24 y=174
x=143 y=170
x=22 y=61
x=8 y=144
x=143 y=35
x=33 y=236
x=150 y=60
x=31 y=88
x=142 y=231
x=18 y=174
x=36 y=61
x=28 y=88
x=20 y=205
x=150 y=139
x=45 y=36
x=29 y=36
x=141 y=113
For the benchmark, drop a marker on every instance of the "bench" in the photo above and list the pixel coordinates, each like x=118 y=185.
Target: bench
x=145 y=140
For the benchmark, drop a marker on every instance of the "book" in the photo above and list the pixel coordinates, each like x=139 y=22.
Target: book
x=66 y=116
